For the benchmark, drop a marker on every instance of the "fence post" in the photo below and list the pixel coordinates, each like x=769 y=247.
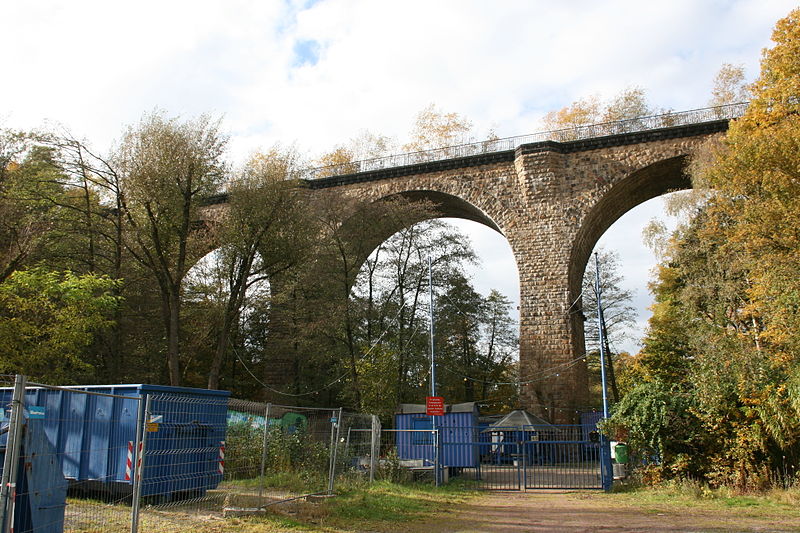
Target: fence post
x=606 y=468
x=334 y=445
x=436 y=458
x=8 y=492
x=264 y=450
x=524 y=459
x=138 y=471
x=374 y=448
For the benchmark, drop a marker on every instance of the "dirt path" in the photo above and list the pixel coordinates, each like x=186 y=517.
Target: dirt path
x=591 y=511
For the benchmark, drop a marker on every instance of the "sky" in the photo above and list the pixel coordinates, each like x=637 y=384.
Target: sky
x=314 y=74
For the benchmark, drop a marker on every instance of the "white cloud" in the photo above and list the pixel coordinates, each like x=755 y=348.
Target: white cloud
x=96 y=65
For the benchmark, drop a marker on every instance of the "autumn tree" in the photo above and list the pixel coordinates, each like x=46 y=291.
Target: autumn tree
x=724 y=334
x=345 y=158
x=167 y=169
x=581 y=112
x=729 y=86
x=436 y=129
x=613 y=116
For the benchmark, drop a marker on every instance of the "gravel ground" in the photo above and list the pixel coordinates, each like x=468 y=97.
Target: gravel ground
x=590 y=511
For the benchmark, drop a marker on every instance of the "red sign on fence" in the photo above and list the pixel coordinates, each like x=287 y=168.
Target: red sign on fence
x=434 y=406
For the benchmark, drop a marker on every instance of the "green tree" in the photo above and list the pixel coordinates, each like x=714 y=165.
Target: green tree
x=385 y=334
x=49 y=319
x=618 y=313
x=266 y=230
x=477 y=345
x=460 y=312
x=29 y=186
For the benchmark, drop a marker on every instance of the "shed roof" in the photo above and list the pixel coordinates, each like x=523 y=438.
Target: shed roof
x=416 y=408
x=519 y=418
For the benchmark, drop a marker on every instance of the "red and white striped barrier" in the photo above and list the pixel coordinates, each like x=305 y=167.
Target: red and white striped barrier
x=129 y=461
x=221 y=458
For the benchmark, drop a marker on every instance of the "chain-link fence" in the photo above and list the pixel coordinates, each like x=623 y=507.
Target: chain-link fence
x=279 y=452
x=149 y=458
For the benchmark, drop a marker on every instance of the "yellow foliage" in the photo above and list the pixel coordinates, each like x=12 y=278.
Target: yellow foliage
x=581 y=112
x=436 y=129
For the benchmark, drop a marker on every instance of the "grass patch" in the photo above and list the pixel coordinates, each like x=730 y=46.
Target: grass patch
x=691 y=494
x=296 y=482
x=358 y=506
x=391 y=502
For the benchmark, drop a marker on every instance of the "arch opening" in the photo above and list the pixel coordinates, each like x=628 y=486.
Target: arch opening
x=642 y=185
x=225 y=321
x=390 y=292
x=614 y=230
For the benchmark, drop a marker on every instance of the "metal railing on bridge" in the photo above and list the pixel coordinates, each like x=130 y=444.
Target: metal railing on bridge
x=639 y=124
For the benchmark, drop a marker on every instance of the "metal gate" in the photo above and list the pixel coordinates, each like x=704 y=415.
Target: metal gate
x=531 y=457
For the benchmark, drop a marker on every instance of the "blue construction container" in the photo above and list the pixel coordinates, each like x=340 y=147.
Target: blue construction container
x=93 y=436
x=458 y=430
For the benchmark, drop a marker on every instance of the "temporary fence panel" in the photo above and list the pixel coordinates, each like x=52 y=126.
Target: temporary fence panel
x=136 y=457
x=93 y=428
x=357 y=448
x=407 y=454
x=75 y=459
x=276 y=452
x=184 y=448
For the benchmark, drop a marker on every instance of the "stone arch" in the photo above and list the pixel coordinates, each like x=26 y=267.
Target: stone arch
x=639 y=186
x=447 y=205
x=649 y=182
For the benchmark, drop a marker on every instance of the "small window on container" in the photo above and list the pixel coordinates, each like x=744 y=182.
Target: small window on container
x=422 y=437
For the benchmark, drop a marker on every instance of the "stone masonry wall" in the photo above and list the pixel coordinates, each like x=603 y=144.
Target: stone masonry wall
x=552 y=202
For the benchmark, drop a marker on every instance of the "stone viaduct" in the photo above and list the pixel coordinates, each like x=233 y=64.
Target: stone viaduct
x=552 y=200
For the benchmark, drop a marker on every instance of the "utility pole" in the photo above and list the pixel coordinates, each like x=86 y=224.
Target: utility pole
x=436 y=473
x=606 y=468
x=430 y=301
x=600 y=328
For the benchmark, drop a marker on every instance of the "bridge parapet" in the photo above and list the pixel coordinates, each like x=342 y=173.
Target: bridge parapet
x=593 y=131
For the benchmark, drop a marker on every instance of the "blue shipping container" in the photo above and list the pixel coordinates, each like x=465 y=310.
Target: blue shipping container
x=93 y=435
x=458 y=430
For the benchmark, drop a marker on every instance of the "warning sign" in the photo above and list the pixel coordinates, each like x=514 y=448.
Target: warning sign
x=152 y=427
x=434 y=406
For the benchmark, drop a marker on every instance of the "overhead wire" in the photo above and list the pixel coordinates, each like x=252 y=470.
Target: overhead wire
x=541 y=375
x=327 y=386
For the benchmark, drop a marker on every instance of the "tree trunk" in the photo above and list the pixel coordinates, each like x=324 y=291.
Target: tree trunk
x=219 y=354
x=173 y=340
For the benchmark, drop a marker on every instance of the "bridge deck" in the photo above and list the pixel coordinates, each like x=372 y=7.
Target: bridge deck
x=578 y=138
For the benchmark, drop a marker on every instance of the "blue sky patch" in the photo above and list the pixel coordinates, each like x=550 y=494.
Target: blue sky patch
x=306 y=53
